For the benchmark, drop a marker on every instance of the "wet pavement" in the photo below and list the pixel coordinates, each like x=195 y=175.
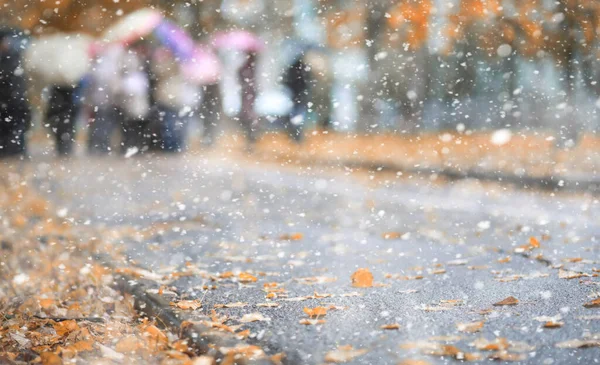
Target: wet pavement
x=441 y=254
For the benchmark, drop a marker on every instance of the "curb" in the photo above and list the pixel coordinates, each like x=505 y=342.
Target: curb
x=205 y=340
x=549 y=183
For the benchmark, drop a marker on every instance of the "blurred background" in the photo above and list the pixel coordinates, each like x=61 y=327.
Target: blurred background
x=395 y=66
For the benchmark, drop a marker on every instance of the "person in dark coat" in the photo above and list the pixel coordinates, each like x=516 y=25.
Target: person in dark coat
x=61 y=114
x=296 y=79
x=247 y=115
x=15 y=113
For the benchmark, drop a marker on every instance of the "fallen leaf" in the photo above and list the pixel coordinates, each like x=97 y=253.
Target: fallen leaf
x=277 y=359
x=553 y=324
x=470 y=327
x=203 y=360
x=593 y=304
x=268 y=305
x=566 y=274
x=129 y=344
x=534 y=242
x=578 y=344
x=292 y=236
x=244 y=277
x=156 y=338
x=65 y=327
x=391 y=235
x=505 y=260
x=507 y=356
x=499 y=344
x=315 y=312
x=393 y=326
x=187 y=304
x=50 y=358
x=413 y=362
x=344 y=354
x=362 y=278
x=312 y=322
x=507 y=301
x=253 y=317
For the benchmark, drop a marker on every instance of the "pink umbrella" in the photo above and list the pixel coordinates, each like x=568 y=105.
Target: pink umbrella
x=239 y=40
x=203 y=67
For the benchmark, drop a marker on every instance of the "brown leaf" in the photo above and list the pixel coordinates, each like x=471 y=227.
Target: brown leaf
x=566 y=274
x=253 y=317
x=393 y=326
x=362 y=278
x=470 y=327
x=315 y=312
x=156 y=339
x=553 y=324
x=50 y=358
x=507 y=301
x=65 y=327
x=129 y=344
x=344 y=354
x=507 y=356
x=593 y=304
x=187 y=304
x=578 y=344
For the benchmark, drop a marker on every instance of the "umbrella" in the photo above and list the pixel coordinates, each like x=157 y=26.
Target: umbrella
x=59 y=59
x=133 y=26
x=175 y=39
x=203 y=67
x=239 y=40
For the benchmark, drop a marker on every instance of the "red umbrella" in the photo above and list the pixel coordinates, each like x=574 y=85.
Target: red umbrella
x=238 y=40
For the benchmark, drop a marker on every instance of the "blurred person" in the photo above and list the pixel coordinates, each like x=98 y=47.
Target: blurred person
x=64 y=104
x=15 y=113
x=134 y=102
x=210 y=111
x=175 y=99
x=247 y=116
x=320 y=87
x=296 y=79
x=101 y=98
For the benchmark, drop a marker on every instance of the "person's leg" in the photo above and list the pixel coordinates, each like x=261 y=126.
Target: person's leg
x=210 y=113
x=248 y=125
x=294 y=124
x=101 y=130
x=12 y=135
x=61 y=116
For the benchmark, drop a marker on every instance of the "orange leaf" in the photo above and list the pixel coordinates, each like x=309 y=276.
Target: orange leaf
x=393 y=326
x=362 y=278
x=50 y=358
x=507 y=301
x=534 y=242
x=244 y=277
x=315 y=312
x=187 y=304
x=65 y=327
x=593 y=304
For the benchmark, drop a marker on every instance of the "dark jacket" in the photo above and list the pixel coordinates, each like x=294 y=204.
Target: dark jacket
x=13 y=89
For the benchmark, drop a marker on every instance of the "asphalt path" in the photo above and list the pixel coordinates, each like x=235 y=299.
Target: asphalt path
x=440 y=254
